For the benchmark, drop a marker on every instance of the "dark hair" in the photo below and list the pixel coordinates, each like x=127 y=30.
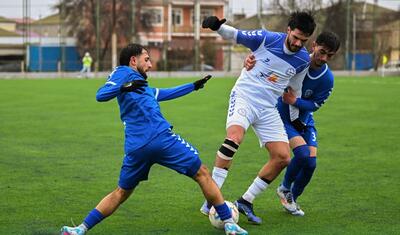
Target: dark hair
x=329 y=40
x=303 y=21
x=130 y=50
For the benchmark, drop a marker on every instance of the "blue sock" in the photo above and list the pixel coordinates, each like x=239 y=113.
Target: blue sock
x=223 y=211
x=304 y=177
x=94 y=217
x=301 y=153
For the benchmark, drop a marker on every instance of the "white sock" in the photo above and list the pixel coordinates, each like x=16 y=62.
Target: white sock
x=219 y=175
x=258 y=186
x=230 y=220
x=83 y=226
x=283 y=188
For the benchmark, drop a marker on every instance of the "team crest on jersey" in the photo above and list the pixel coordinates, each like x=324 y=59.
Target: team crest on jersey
x=308 y=93
x=290 y=71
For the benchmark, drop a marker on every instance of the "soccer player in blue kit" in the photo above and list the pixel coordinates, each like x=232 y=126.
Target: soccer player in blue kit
x=149 y=139
x=282 y=61
x=317 y=87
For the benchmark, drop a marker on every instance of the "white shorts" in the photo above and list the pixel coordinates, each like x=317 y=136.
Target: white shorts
x=266 y=122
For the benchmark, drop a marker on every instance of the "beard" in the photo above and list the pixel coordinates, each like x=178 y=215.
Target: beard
x=291 y=47
x=142 y=72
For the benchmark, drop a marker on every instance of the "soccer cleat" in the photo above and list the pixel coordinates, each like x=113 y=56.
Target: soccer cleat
x=72 y=231
x=234 y=229
x=205 y=208
x=248 y=212
x=286 y=198
x=297 y=212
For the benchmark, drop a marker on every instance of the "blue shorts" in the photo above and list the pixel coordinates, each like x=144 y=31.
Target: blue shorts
x=309 y=135
x=167 y=149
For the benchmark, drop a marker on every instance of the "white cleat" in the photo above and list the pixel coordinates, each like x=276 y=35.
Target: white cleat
x=286 y=198
x=297 y=212
x=234 y=229
x=72 y=231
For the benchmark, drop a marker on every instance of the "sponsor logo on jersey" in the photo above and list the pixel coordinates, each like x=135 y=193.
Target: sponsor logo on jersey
x=273 y=78
x=252 y=33
x=290 y=71
x=308 y=93
x=262 y=75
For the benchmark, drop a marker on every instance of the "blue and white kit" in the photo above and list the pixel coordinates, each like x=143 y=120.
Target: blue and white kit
x=148 y=136
x=317 y=86
x=255 y=94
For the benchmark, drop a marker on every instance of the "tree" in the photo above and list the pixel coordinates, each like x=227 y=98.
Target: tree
x=287 y=6
x=80 y=18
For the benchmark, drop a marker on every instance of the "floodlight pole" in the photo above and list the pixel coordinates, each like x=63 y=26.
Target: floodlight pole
x=114 y=37
x=353 y=62
x=97 y=64
x=347 y=47
x=133 y=18
x=375 y=62
x=196 y=35
x=230 y=46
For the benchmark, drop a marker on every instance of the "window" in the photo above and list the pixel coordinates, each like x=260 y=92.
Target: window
x=152 y=16
x=203 y=14
x=177 y=16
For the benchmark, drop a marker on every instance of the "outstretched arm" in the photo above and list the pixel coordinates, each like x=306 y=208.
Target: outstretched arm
x=176 y=92
x=115 y=85
x=251 y=39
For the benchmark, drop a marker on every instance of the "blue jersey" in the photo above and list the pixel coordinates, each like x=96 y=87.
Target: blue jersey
x=140 y=113
x=317 y=86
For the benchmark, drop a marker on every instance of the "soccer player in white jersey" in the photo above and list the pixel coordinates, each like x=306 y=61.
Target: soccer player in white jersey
x=317 y=87
x=282 y=61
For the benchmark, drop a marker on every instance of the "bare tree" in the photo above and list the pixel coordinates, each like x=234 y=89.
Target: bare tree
x=288 y=6
x=80 y=18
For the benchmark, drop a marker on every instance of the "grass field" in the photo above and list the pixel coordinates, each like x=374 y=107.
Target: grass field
x=61 y=151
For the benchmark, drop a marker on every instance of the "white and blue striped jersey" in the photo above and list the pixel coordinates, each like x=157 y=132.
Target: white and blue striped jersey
x=317 y=87
x=140 y=113
x=276 y=67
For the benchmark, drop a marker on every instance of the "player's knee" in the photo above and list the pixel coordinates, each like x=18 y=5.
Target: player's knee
x=122 y=194
x=282 y=158
x=202 y=174
x=302 y=152
x=228 y=149
x=235 y=137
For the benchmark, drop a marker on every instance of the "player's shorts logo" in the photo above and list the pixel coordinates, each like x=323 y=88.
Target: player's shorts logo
x=290 y=71
x=242 y=112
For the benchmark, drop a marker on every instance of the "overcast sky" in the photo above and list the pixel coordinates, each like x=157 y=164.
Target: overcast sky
x=13 y=9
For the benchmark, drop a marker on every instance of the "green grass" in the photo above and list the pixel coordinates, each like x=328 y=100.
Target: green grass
x=61 y=151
